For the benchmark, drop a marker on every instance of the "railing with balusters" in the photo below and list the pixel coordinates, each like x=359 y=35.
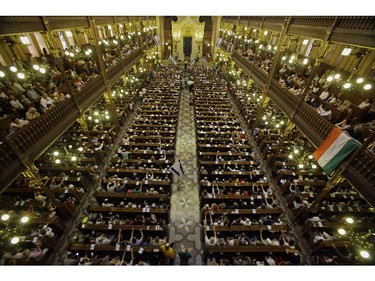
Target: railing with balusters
x=360 y=171
x=357 y=23
x=352 y=30
x=30 y=141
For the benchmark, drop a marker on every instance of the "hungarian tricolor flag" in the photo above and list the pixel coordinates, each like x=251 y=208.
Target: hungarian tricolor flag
x=334 y=149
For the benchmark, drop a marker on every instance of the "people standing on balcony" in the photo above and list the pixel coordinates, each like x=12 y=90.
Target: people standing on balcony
x=25 y=101
x=17 y=105
x=315 y=87
x=365 y=104
x=18 y=87
x=325 y=94
x=32 y=94
x=39 y=88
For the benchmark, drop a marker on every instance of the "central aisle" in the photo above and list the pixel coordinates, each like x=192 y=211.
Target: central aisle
x=185 y=227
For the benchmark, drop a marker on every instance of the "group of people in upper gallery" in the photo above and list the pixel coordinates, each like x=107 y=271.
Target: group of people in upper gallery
x=354 y=115
x=24 y=100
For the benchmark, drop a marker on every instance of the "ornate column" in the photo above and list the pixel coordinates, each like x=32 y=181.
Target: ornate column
x=94 y=38
x=275 y=65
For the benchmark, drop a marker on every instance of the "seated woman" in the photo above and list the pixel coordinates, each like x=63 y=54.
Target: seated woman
x=17 y=123
x=365 y=104
x=343 y=125
x=32 y=114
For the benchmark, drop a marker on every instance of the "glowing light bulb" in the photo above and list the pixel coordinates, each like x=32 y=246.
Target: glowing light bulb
x=341 y=231
x=2 y=74
x=313 y=166
x=96 y=120
x=283 y=58
x=367 y=87
x=42 y=70
x=15 y=240
x=311 y=157
x=80 y=149
x=13 y=69
x=364 y=254
x=359 y=80
x=305 y=61
x=36 y=67
x=24 y=219
x=20 y=75
x=300 y=166
x=349 y=220
x=74 y=158
x=96 y=113
x=337 y=76
x=90 y=118
x=57 y=161
x=296 y=151
x=5 y=217
x=347 y=85
x=56 y=153
x=330 y=78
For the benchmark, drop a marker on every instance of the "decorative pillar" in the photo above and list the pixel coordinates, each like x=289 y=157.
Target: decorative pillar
x=273 y=71
x=51 y=44
x=94 y=38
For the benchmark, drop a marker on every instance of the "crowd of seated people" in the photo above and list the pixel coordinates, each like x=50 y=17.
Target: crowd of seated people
x=236 y=198
x=301 y=186
x=67 y=170
x=132 y=199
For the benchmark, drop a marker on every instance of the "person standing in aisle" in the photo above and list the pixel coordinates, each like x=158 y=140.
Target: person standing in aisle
x=184 y=255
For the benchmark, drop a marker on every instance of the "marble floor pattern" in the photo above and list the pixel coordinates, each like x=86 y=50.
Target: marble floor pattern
x=185 y=227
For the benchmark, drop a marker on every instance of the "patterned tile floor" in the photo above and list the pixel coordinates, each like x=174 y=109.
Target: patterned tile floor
x=185 y=227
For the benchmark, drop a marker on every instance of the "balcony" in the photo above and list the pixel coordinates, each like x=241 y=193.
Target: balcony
x=360 y=171
x=29 y=142
x=355 y=30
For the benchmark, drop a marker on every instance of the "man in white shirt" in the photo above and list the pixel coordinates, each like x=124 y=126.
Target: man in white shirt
x=213 y=240
x=45 y=101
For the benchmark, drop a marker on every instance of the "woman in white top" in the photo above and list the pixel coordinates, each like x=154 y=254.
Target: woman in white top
x=324 y=95
x=365 y=104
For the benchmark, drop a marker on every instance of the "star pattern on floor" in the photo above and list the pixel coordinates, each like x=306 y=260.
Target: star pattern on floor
x=184 y=227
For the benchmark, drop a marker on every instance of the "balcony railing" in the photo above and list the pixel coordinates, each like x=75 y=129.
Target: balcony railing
x=29 y=142
x=355 y=30
x=360 y=171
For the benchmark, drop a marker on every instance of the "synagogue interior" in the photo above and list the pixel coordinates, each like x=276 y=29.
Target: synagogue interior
x=187 y=140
